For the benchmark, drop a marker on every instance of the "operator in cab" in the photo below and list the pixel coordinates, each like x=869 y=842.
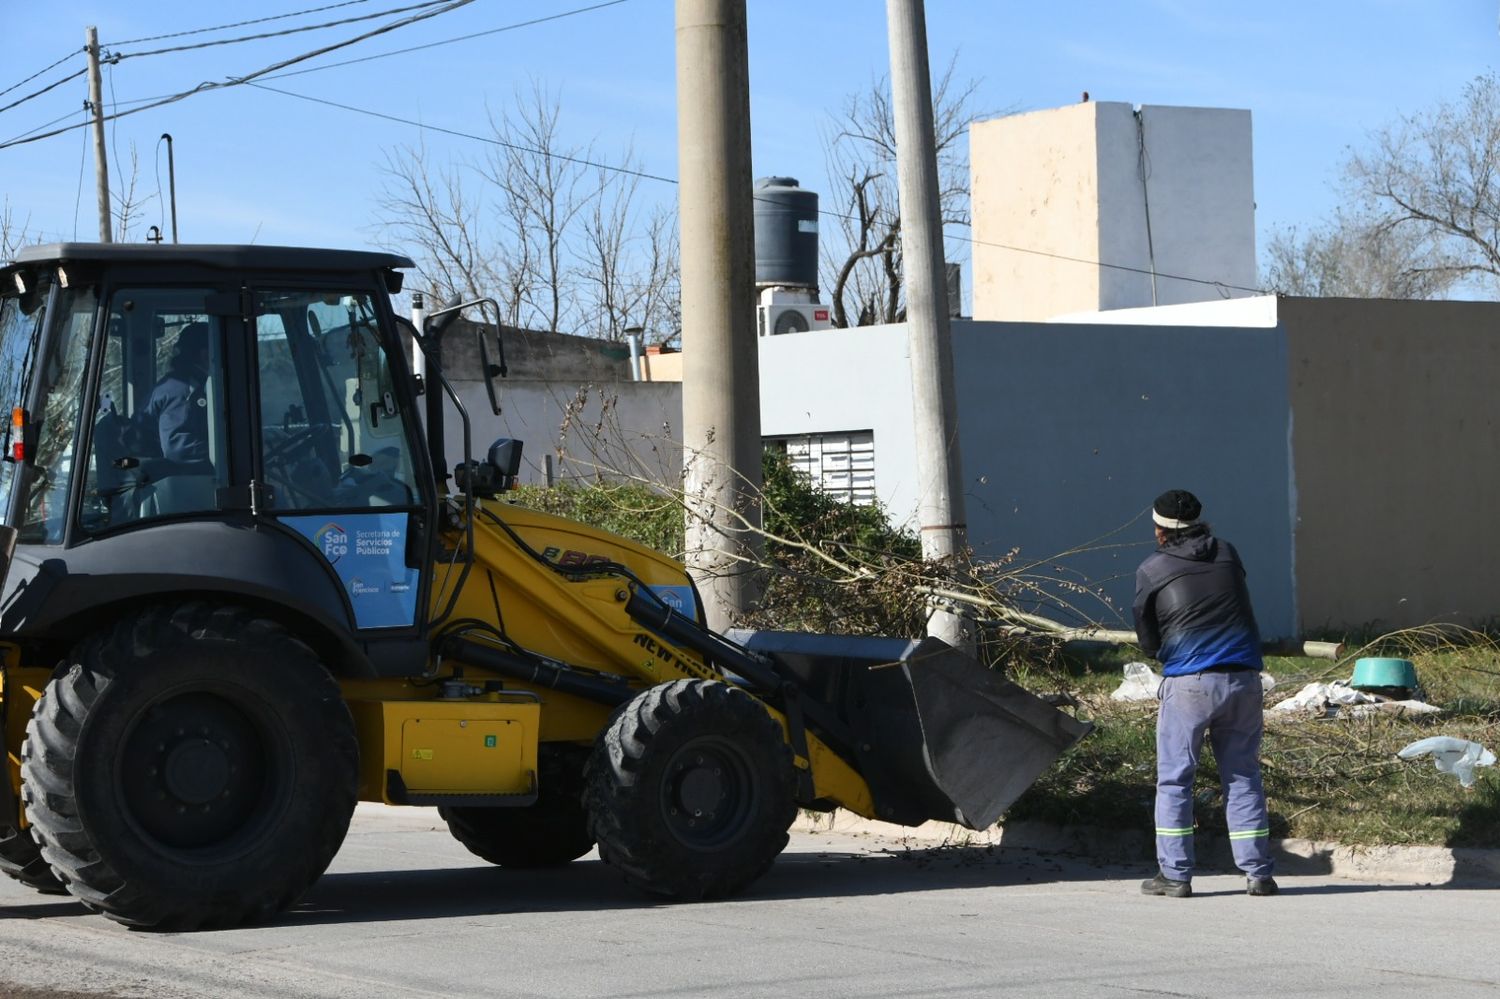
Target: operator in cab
x=179 y=403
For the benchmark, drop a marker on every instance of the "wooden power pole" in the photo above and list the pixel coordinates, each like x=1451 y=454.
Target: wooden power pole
x=96 y=101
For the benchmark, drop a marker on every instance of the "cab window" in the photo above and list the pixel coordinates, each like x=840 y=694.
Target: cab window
x=332 y=432
x=159 y=445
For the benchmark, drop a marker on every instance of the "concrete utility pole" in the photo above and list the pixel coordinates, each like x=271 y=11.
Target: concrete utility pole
x=940 y=498
x=721 y=358
x=96 y=101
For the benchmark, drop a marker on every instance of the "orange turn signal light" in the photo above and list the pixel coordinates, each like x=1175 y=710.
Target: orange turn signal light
x=18 y=434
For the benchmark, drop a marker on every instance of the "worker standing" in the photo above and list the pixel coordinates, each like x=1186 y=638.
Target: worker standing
x=1193 y=614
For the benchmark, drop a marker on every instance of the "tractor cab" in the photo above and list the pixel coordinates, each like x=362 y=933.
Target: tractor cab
x=250 y=405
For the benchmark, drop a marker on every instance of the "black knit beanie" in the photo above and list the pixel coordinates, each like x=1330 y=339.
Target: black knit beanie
x=1176 y=509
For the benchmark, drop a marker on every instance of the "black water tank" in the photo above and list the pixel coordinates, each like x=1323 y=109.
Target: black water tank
x=786 y=234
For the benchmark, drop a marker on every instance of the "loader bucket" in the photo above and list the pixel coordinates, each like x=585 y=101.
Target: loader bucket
x=935 y=734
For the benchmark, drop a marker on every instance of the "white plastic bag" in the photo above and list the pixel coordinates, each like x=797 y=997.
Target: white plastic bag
x=1140 y=684
x=1321 y=696
x=1458 y=757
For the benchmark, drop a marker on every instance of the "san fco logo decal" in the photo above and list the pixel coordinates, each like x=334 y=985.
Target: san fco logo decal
x=333 y=541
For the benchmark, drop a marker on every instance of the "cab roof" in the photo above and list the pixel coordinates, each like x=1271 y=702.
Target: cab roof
x=227 y=256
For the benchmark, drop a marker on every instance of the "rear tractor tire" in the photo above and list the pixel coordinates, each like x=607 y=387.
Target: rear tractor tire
x=690 y=790
x=21 y=859
x=193 y=766
x=552 y=832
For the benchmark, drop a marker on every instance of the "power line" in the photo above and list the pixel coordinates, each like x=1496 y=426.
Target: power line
x=237 y=81
x=628 y=171
x=450 y=41
x=469 y=135
x=116 y=57
x=240 y=24
x=37 y=93
x=39 y=72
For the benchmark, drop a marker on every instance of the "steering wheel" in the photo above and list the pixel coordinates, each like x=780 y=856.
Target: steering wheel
x=276 y=451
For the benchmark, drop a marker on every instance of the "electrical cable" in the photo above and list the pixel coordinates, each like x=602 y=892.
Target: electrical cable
x=208 y=85
x=240 y=24
x=450 y=41
x=83 y=158
x=39 y=72
x=37 y=93
x=1223 y=285
x=116 y=57
x=466 y=135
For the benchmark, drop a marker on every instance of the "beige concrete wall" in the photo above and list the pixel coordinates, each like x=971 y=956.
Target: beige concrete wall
x=1395 y=440
x=1034 y=184
x=1060 y=198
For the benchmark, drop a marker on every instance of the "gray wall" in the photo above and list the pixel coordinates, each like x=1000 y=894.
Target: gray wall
x=1068 y=433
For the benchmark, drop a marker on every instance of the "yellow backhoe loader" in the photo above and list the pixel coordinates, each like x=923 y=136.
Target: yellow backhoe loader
x=243 y=590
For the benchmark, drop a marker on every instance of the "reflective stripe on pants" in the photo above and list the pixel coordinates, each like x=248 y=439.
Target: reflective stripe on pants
x=1227 y=707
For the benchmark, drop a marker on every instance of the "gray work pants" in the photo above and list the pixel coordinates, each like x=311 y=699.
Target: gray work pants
x=1227 y=706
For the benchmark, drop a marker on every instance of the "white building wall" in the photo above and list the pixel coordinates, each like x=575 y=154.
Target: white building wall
x=1060 y=199
x=1199 y=186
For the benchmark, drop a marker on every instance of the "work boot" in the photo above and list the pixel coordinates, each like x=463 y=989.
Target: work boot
x=1261 y=886
x=1163 y=885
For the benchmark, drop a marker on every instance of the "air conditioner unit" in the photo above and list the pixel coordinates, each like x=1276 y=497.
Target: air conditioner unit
x=798 y=318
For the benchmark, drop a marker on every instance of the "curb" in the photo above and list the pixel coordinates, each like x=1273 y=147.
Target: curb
x=1415 y=865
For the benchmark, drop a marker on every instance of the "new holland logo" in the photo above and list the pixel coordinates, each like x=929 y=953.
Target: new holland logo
x=333 y=541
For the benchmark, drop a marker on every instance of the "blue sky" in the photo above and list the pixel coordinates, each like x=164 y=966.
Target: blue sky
x=254 y=165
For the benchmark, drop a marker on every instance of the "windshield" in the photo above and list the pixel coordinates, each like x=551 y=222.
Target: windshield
x=53 y=424
x=20 y=319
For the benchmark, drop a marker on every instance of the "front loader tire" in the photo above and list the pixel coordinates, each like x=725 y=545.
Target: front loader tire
x=21 y=859
x=552 y=832
x=194 y=766
x=690 y=790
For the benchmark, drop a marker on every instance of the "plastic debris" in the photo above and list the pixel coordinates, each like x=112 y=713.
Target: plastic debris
x=1453 y=756
x=1324 y=698
x=1140 y=684
x=1397 y=709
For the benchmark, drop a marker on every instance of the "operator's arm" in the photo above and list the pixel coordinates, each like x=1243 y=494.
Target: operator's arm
x=1147 y=633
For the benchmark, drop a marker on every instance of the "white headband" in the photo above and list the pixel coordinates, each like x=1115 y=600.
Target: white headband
x=1169 y=523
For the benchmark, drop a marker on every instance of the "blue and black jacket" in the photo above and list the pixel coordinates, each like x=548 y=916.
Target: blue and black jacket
x=1192 y=608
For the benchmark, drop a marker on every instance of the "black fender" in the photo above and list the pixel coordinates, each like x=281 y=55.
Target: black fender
x=55 y=594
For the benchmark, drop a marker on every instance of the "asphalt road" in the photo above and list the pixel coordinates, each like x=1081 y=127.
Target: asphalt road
x=405 y=911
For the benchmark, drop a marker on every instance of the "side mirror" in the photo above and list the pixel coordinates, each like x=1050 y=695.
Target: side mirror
x=491 y=371
x=505 y=457
x=493 y=476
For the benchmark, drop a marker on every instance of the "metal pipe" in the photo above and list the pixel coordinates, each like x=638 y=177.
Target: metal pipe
x=418 y=317
x=172 y=183
x=633 y=337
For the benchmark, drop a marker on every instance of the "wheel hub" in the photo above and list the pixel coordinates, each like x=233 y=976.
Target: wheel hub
x=196 y=771
x=193 y=771
x=701 y=791
x=709 y=793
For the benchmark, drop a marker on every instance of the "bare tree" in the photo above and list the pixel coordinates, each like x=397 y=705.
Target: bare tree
x=128 y=208
x=1433 y=178
x=562 y=243
x=861 y=256
x=1355 y=257
x=432 y=217
x=628 y=272
x=541 y=186
x=14 y=233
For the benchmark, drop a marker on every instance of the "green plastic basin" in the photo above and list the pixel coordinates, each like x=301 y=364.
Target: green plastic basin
x=1384 y=673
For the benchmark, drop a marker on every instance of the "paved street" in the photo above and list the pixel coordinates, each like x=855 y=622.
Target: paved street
x=405 y=911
